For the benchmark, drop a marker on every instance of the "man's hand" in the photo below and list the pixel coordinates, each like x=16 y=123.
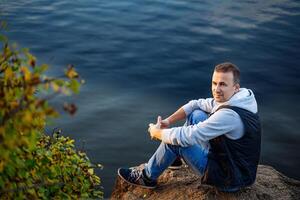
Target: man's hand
x=163 y=123
x=155 y=129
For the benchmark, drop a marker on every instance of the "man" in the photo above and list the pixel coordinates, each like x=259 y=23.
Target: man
x=220 y=140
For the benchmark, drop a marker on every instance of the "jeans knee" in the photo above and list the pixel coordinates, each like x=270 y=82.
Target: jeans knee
x=197 y=116
x=173 y=148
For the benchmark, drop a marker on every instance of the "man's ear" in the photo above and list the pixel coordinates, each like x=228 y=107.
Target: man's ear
x=237 y=87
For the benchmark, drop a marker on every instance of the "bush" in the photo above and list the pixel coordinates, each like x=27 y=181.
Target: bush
x=32 y=164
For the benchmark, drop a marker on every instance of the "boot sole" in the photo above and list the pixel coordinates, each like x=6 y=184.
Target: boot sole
x=175 y=167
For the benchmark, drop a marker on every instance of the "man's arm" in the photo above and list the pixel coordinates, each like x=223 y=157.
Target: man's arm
x=203 y=104
x=225 y=121
x=176 y=116
x=155 y=130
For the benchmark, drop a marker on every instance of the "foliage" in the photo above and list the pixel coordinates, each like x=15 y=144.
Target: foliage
x=33 y=165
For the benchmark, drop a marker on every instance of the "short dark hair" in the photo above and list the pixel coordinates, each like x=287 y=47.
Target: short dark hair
x=229 y=67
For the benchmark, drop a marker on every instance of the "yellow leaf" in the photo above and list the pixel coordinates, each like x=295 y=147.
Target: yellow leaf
x=46 y=86
x=8 y=73
x=71 y=73
x=55 y=87
x=1 y=166
x=91 y=170
x=2 y=131
x=32 y=61
x=27 y=117
x=26 y=73
x=14 y=104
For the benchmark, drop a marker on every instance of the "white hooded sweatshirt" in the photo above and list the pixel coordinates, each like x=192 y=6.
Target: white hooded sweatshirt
x=224 y=121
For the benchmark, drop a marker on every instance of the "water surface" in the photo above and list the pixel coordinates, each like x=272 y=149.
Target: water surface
x=146 y=58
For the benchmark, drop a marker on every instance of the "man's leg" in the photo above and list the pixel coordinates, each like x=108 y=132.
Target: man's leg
x=194 y=118
x=195 y=156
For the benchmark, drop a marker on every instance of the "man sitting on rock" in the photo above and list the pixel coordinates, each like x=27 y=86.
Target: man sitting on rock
x=220 y=140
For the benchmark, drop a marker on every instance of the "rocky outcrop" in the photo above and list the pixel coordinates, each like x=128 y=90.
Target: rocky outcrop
x=184 y=184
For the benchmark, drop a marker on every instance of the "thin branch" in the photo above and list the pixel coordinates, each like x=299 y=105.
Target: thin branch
x=22 y=107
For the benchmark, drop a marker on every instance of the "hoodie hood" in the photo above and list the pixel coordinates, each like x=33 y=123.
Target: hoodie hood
x=244 y=98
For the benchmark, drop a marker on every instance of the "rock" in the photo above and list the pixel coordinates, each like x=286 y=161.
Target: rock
x=184 y=184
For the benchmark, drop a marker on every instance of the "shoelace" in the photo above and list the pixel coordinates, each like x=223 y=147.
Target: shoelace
x=135 y=174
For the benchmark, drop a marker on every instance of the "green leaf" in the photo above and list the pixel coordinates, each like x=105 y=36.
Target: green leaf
x=3 y=39
x=11 y=171
x=2 y=183
x=30 y=163
x=40 y=69
x=74 y=86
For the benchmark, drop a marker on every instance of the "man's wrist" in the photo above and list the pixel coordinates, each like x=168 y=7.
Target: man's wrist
x=165 y=135
x=168 y=121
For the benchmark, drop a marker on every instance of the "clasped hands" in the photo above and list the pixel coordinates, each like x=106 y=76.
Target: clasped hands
x=155 y=130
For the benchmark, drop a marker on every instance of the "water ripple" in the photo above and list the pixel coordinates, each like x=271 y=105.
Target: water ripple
x=144 y=58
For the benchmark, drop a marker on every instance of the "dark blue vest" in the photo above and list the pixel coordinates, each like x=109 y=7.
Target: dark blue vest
x=232 y=164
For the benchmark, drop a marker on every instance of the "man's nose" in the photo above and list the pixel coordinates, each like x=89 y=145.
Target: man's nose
x=218 y=88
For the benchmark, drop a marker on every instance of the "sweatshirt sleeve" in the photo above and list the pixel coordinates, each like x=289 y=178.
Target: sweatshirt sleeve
x=203 y=104
x=225 y=121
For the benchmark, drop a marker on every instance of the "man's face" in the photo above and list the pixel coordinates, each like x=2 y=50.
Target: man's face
x=223 y=86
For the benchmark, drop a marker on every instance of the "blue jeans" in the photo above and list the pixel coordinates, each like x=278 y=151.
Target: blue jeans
x=195 y=156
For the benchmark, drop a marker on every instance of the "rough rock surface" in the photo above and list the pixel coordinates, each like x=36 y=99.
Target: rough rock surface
x=184 y=184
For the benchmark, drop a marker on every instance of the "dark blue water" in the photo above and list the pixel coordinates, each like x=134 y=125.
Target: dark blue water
x=146 y=58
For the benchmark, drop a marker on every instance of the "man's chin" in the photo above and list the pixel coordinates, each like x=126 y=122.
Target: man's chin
x=219 y=100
